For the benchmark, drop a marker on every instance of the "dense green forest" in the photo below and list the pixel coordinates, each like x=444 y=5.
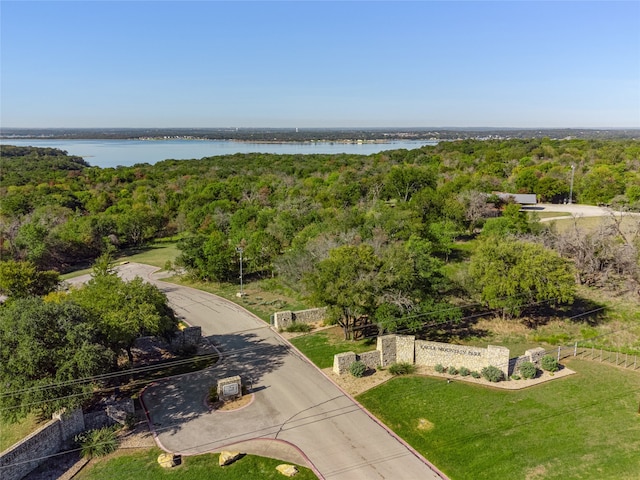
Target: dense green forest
x=57 y=211
x=373 y=238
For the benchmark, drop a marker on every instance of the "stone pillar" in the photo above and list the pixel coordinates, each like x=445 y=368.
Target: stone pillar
x=386 y=345
x=342 y=361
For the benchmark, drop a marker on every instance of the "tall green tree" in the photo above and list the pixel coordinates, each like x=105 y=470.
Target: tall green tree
x=512 y=274
x=123 y=311
x=19 y=279
x=45 y=348
x=208 y=257
x=345 y=283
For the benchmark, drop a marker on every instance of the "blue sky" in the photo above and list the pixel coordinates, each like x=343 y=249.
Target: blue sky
x=320 y=64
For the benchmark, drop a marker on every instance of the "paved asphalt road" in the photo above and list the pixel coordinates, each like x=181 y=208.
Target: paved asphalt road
x=294 y=402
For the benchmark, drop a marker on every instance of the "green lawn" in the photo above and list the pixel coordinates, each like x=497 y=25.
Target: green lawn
x=583 y=426
x=143 y=465
x=320 y=347
x=11 y=433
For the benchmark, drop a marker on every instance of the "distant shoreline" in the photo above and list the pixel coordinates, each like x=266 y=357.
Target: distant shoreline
x=309 y=135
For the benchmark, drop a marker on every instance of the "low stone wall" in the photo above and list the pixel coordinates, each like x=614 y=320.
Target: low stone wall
x=186 y=338
x=26 y=455
x=392 y=349
x=110 y=414
x=342 y=361
x=370 y=359
x=473 y=358
x=534 y=356
x=283 y=320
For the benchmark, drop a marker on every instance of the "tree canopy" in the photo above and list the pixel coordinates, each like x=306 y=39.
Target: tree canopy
x=45 y=348
x=512 y=274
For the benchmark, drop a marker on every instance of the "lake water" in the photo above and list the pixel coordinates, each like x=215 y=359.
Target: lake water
x=111 y=153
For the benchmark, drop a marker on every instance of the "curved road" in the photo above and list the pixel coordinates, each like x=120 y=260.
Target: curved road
x=295 y=405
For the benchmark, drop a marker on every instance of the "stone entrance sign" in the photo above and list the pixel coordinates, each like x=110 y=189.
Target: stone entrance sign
x=405 y=348
x=230 y=388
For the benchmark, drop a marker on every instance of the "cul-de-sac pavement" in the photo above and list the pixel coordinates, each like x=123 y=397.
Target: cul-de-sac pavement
x=297 y=413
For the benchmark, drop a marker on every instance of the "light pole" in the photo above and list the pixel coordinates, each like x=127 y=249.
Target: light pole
x=240 y=250
x=573 y=169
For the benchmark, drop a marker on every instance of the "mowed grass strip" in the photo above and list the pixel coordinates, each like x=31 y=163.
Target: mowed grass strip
x=583 y=426
x=320 y=347
x=143 y=465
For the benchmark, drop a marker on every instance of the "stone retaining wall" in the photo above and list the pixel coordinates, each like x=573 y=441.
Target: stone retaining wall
x=342 y=361
x=283 y=320
x=26 y=455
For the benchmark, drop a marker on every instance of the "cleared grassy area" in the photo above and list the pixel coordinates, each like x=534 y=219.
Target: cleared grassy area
x=542 y=215
x=143 y=465
x=582 y=426
x=260 y=298
x=320 y=347
x=11 y=433
x=628 y=224
x=157 y=254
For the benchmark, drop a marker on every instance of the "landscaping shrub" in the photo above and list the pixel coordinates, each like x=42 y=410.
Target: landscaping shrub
x=213 y=394
x=97 y=443
x=439 y=368
x=493 y=374
x=464 y=371
x=528 y=370
x=357 y=369
x=452 y=371
x=475 y=375
x=549 y=363
x=515 y=377
x=299 y=327
x=403 y=368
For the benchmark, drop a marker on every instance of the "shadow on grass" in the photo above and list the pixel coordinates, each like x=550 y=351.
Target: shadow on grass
x=582 y=310
x=452 y=331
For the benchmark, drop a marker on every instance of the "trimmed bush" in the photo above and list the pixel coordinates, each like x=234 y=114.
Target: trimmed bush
x=97 y=443
x=549 y=363
x=464 y=371
x=452 y=371
x=299 y=327
x=403 y=368
x=493 y=374
x=357 y=369
x=515 y=377
x=439 y=368
x=475 y=375
x=528 y=370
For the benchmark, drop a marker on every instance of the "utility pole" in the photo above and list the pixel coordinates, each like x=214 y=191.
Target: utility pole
x=573 y=169
x=240 y=250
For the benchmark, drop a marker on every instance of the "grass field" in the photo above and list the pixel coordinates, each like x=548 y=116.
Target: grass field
x=320 y=347
x=583 y=426
x=143 y=465
x=11 y=433
x=260 y=298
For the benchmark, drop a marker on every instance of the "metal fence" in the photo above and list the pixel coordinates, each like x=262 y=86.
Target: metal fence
x=618 y=359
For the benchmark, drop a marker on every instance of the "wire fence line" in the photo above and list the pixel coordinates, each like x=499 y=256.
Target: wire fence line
x=624 y=360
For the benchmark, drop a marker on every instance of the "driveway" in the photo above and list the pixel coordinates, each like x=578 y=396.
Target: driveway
x=296 y=412
x=574 y=209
